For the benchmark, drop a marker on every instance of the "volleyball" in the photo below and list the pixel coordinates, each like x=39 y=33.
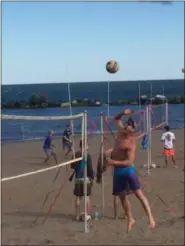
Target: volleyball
x=112 y=66
x=82 y=217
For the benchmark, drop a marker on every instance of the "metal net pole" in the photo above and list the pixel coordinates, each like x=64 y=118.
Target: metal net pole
x=86 y=227
x=102 y=159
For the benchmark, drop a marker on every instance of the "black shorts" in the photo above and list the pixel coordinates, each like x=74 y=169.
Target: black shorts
x=79 y=189
x=67 y=145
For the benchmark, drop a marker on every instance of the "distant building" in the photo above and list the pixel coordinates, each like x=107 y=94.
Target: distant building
x=160 y=97
x=143 y=97
x=65 y=104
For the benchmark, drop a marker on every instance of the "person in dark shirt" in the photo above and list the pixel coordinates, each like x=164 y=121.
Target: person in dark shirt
x=49 y=147
x=67 y=141
x=78 y=168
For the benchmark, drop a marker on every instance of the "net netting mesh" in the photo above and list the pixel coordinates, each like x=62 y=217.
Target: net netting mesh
x=28 y=157
x=30 y=128
x=158 y=114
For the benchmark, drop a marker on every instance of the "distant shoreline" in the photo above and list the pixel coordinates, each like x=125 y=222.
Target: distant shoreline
x=37 y=101
x=110 y=81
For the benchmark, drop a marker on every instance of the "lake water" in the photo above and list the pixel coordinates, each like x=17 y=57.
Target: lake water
x=16 y=130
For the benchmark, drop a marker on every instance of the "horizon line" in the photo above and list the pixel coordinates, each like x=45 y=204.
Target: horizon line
x=105 y=81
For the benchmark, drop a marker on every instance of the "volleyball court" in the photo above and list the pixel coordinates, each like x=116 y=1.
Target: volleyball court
x=52 y=183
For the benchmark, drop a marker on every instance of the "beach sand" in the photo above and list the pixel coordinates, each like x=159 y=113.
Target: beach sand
x=22 y=199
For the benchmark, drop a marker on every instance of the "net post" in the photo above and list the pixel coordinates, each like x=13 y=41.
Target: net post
x=86 y=228
x=147 y=130
x=102 y=159
x=166 y=113
x=150 y=136
x=22 y=129
x=71 y=121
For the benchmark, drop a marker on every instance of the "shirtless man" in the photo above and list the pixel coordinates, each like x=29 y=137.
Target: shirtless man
x=123 y=157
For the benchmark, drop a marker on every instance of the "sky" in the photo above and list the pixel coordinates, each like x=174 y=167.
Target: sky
x=46 y=42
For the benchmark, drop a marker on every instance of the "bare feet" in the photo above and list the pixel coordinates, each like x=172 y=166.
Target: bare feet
x=130 y=224
x=152 y=224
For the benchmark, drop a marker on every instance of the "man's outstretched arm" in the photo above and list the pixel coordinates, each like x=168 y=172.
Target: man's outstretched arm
x=118 y=117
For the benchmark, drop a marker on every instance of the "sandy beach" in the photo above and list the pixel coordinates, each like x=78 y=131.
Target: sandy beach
x=22 y=199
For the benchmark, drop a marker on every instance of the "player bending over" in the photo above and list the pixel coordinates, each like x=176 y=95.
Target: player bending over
x=79 y=181
x=49 y=147
x=168 y=139
x=123 y=157
x=67 y=141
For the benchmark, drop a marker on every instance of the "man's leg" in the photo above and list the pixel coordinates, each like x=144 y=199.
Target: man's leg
x=166 y=161
x=115 y=206
x=69 y=149
x=135 y=186
x=120 y=187
x=89 y=193
x=47 y=156
x=77 y=207
x=144 y=202
x=173 y=158
x=127 y=209
x=54 y=157
x=78 y=194
x=166 y=155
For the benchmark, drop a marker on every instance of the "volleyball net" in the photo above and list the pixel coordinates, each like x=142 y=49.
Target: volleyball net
x=20 y=128
x=39 y=126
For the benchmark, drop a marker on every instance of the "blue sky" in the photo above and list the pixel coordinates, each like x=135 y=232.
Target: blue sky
x=71 y=41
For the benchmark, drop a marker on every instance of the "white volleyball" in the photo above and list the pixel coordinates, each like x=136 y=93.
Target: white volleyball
x=112 y=66
x=82 y=217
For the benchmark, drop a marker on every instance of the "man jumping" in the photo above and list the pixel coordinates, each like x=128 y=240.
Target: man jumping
x=123 y=157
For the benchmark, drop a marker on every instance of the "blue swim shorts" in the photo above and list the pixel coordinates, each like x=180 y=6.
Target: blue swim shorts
x=125 y=179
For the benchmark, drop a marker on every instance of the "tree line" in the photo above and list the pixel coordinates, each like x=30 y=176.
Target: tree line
x=41 y=101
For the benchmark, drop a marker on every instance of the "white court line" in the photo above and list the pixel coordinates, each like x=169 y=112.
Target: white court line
x=41 y=170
